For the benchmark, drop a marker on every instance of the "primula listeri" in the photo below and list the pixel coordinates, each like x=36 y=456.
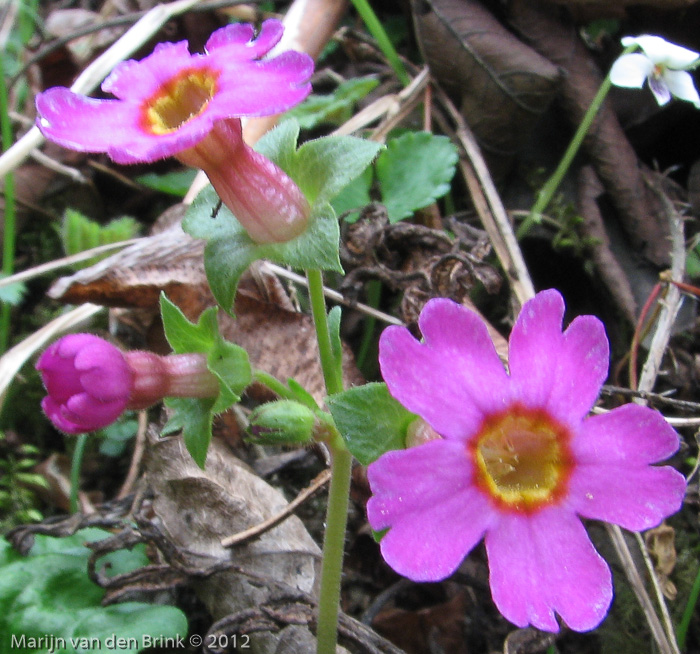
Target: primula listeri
x=664 y=65
x=173 y=103
x=90 y=382
x=518 y=462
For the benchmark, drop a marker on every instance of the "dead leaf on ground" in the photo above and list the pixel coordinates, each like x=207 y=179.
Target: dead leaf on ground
x=661 y=543
x=502 y=85
x=435 y=629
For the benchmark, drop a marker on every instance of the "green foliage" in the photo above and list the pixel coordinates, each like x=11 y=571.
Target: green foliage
x=12 y=293
x=414 y=171
x=320 y=168
x=370 y=421
x=18 y=482
x=49 y=592
x=116 y=436
x=335 y=108
x=175 y=183
x=229 y=362
x=79 y=233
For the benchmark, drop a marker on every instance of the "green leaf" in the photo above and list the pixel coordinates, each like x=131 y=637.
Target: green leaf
x=48 y=593
x=194 y=417
x=354 y=196
x=12 y=294
x=174 y=183
x=302 y=395
x=370 y=421
x=334 y=108
x=334 y=316
x=229 y=362
x=230 y=250
x=79 y=233
x=414 y=171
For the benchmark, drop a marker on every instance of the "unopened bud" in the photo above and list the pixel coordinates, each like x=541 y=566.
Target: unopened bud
x=284 y=421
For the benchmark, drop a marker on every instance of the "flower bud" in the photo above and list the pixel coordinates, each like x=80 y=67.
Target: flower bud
x=88 y=382
x=282 y=422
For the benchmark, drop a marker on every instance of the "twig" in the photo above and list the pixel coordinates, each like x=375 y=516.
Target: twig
x=489 y=206
x=136 y=457
x=36 y=271
x=258 y=530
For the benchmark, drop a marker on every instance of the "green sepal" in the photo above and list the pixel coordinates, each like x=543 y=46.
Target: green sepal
x=321 y=168
x=302 y=395
x=227 y=361
x=370 y=421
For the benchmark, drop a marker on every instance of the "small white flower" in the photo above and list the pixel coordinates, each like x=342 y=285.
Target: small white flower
x=662 y=63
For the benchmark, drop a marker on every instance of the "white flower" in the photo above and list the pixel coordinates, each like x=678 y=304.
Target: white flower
x=662 y=63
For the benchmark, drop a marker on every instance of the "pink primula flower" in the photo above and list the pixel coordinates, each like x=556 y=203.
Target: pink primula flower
x=519 y=462
x=90 y=382
x=173 y=103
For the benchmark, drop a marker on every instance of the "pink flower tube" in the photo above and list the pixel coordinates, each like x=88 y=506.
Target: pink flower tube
x=519 y=462
x=173 y=103
x=90 y=382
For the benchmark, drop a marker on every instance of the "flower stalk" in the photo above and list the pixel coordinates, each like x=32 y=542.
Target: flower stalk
x=339 y=492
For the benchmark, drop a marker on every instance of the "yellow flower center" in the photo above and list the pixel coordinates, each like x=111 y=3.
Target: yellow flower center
x=522 y=458
x=179 y=100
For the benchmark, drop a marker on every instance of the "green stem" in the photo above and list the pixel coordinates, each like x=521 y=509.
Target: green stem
x=331 y=371
x=339 y=492
x=377 y=31
x=9 y=230
x=688 y=613
x=274 y=384
x=333 y=550
x=76 y=467
x=546 y=193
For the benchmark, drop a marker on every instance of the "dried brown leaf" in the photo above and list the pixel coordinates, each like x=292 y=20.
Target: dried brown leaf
x=503 y=86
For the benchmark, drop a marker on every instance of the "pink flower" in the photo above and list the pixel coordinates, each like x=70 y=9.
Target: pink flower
x=173 y=103
x=519 y=463
x=90 y=382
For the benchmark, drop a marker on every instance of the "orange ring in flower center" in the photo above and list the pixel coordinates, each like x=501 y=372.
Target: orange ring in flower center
x=179 y=100
x=522 y=458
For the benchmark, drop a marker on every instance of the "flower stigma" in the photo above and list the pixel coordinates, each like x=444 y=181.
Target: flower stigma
x=522 y=458
x=180 y=100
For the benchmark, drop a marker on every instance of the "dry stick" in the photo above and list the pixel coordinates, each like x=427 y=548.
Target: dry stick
x=258 y=530
x=143 y=30
x=488 y=205
x=136 y=457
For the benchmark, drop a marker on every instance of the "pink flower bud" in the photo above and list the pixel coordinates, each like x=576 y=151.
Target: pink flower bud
x=88 y=382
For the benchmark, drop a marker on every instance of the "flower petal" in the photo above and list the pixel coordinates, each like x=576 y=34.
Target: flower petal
x=631 y=70
x=55 y=415
x=238 y=44
x=660 y=89
x=139 y=80
x=559 y=372
x=91 y=414
x=663 y=52
x=452 y=379
x=681 y=85
x=106 y=376
x=544 y=563
x=631 y=434
x=263 y=87
x=434 y=514
x=632 y=497
x=86 y=124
